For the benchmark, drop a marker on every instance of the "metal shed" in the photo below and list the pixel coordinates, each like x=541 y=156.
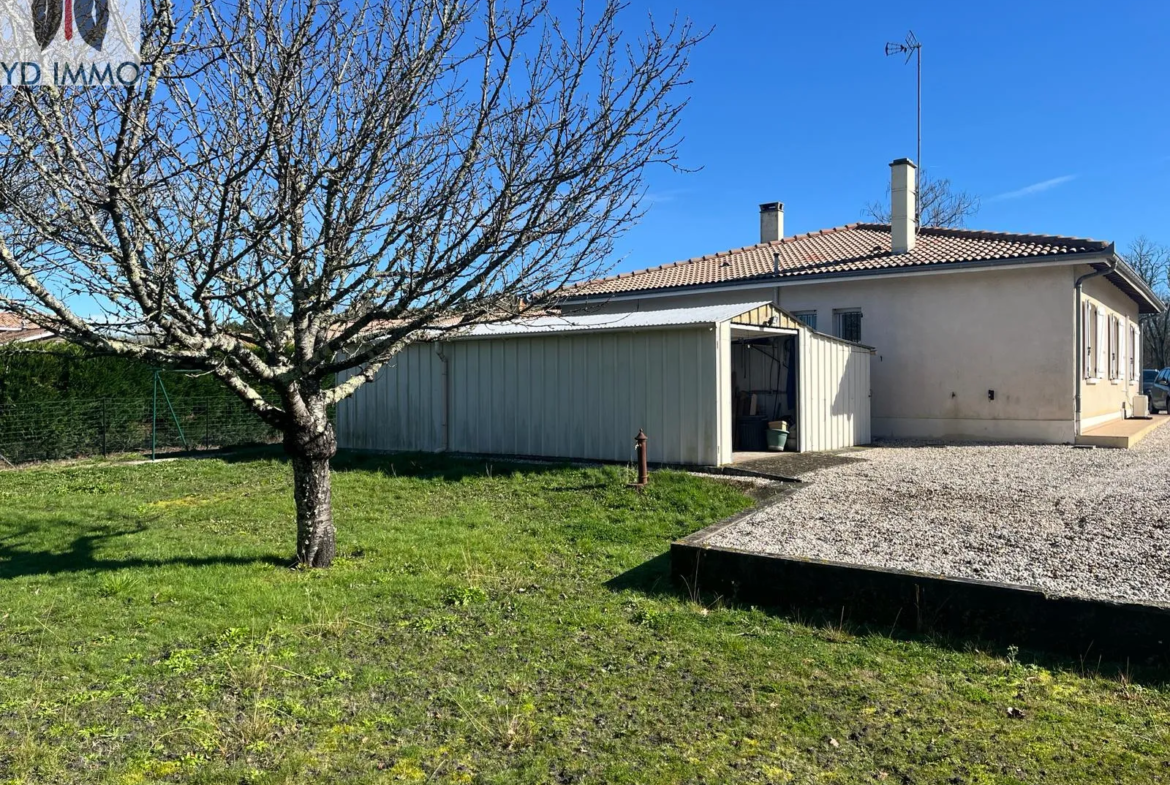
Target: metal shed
x=581 y=386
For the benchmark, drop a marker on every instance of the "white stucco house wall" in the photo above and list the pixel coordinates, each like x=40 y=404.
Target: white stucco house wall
x=977 y=335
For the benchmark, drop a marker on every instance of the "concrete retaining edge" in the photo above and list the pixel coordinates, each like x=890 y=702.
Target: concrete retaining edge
x=984 y=610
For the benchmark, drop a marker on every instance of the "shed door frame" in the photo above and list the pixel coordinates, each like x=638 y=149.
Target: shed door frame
x=728 y=333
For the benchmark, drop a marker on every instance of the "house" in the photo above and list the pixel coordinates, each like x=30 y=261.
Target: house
x=977 y=335
x=16 y=329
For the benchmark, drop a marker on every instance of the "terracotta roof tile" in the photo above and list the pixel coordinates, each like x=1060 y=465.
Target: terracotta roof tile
x=16 y=329
x=856 y=248
x=10 y=321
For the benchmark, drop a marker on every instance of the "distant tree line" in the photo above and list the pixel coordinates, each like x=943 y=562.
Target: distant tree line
x=1151 y=261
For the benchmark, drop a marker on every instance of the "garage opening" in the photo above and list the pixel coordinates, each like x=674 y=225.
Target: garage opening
x=764 y=394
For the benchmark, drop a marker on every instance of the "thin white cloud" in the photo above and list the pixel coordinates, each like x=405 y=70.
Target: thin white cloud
x=1034 y=188
x=667 y=195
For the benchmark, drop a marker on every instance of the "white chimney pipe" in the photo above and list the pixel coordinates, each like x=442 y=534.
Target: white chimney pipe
x=904 y=191
x=771 y=222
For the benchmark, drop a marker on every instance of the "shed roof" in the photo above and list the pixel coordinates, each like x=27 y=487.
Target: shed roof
x=633 y=320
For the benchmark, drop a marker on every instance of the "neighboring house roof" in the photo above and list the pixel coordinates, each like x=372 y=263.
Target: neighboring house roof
x=15 y=329
x=592 y=322
x=862 y=249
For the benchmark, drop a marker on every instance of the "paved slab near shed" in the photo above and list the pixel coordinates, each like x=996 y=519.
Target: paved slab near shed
x=1081 y=522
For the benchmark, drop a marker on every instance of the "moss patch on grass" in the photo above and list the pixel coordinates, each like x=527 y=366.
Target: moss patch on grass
x=483 y=623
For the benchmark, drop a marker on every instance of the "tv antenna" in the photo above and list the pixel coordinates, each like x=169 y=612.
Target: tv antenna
x=911 y=47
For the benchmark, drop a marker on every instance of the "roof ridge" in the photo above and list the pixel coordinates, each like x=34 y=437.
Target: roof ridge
x=719 y=254
x=989 y=234
x=859 y=245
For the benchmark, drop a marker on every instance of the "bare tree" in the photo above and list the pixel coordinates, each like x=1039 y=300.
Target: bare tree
x=940 y=204
x=341 y=178
x=1151 y=261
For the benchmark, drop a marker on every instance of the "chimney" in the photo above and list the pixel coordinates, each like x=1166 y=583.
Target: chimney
x=904 y=190
x=771 y=222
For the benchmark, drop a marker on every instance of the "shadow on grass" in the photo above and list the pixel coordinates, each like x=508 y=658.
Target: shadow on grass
x=653 y=579
x=419 y=465
x=80 y=556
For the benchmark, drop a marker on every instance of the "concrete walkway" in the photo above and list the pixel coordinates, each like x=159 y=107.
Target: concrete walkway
x=1122 y=434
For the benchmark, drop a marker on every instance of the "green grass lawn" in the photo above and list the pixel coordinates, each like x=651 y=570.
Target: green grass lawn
x=483 y=624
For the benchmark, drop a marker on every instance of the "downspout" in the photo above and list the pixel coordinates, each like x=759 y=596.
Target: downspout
x=1080 y=370
x=445 y=395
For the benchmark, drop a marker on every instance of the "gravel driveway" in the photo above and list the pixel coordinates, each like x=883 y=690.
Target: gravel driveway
x=1083 y=522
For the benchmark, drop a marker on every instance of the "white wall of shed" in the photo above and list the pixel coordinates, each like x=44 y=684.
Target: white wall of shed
x=567 y=396
x=401 y=409
x=833 y=392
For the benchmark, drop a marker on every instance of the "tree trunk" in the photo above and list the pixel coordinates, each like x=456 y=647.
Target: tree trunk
x=310 y=447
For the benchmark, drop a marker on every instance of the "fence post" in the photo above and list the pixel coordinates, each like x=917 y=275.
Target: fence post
x=154 y=416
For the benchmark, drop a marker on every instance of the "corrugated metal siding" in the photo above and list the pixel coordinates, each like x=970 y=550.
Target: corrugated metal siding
x=834 y=393
x=559 y=396
x=584 y=396
x=402 y=409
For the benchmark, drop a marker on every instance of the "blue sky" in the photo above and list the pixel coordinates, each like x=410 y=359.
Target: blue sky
x=1056 y=114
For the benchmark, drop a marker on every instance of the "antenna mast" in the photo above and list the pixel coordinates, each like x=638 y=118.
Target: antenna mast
x=910 y=47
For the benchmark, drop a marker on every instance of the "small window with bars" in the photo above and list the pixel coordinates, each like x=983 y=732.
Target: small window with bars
x=847 y=324
x=808 y=317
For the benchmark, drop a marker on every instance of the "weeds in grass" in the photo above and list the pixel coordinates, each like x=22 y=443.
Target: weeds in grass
x=118 y=584
x=467 y=633
x=463 y=596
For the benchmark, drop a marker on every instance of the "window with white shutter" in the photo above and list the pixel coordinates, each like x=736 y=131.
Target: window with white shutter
x=1135 y=357
x=1087 y=340
x=1123 y=348
x=1114 y=349
x=1099 y=356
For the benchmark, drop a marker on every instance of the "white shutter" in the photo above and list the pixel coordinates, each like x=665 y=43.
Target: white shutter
x=1087 y=340
x=1112 y=346
x=1099 y=355
x=1110 y=351
x=1137 y=353
x=1123 y=347
x=1119 y=342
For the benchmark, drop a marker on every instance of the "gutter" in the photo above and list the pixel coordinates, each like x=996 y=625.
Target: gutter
x=769 y=280
x=1080 y=370
x=1135 y=280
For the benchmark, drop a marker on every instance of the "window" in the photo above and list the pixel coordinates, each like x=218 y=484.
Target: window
x=808 y=317
x=847 y=324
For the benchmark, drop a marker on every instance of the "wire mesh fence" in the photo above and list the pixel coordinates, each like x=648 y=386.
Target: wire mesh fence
x=72 y=428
